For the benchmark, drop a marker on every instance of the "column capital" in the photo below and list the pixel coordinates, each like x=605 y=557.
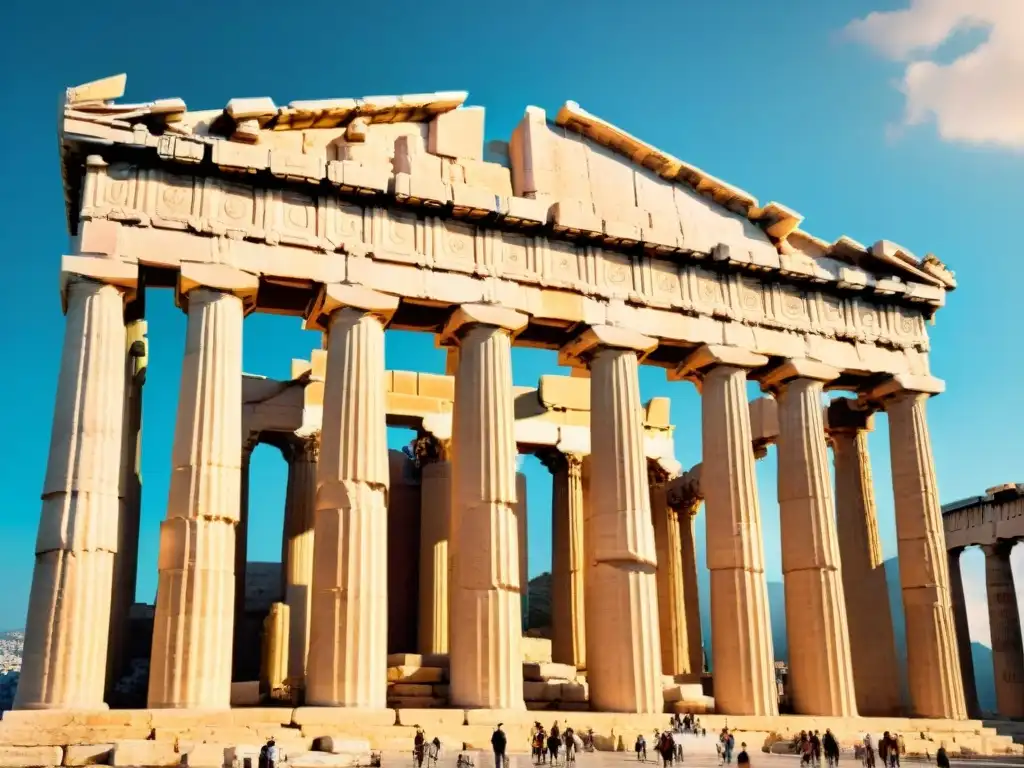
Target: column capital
x=703 y=359
x=194 y=275
x=776 y=379
x=684 y=494
x=468 y=315
x=998 y=548
x=334 y=296
x=97 y=269
x=849 y=416
x=555 y=460
x=578 y=352
x=903 y=384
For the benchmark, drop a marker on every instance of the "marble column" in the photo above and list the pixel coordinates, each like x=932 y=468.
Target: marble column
x=522 y=536
x=933 y=660
x=872 y=644
x=668 y=546
x=126 y=562
x=65 y=656
x=297 y=558
x=623 y=642
x=190 y=665
x=435 y=511
x=347 y=661
x=820 y=665
x=963 y=634
x=568 y=632
x=484 y=607
x=1004 y=622
x=741 y=640
x=686 y=506
x=240 y=631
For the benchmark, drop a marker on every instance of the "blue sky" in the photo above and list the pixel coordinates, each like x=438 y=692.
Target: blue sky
x=874 y=131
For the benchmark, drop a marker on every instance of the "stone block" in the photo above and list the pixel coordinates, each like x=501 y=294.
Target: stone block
x=150 y=753
x=246 y=694
x=547 y=671
x=317 y=759
x=575 y=692
x=410 y=689
x=337 y=745
x=537 y=650
x=29 y=757
x=416 y=702
x=204 y=755
x=411 y=674
x=88 y=754
x=432 y=719
x=75 y=734
x=459 y=133
x=241 y=751
x=343 y=716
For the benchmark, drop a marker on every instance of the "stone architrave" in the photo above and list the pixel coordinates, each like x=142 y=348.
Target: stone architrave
x=435 y=512
x=820 y=665
x=65 y=657
x=933 y=659
x=126 y=562
x=192 y=630
x=297 y=558
x=624 y=646
x=675 y=651
x=485 y=647
x=872 y=644
x=963 y=634
x=1004 y=621
x=740 y=623
x=686 y=501
x=568 y=630
x=347 y=661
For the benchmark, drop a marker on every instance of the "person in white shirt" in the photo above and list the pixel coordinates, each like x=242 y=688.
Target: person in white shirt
x=273 y=754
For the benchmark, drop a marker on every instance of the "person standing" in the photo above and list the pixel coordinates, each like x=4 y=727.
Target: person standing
x=499 y=742
x=743 y=759
x=831 y=747
x=941 y=758
x=273 y=754
x=641 y=748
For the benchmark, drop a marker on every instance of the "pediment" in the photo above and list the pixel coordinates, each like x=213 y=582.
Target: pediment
x=576 y=174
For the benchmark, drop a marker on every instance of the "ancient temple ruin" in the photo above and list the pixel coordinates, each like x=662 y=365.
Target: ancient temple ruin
x=364 y=215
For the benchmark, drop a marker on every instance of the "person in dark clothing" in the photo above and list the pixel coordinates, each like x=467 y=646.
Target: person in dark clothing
x=667 y=748
x=743 y=758
x=831 y=748
x=553 y=744
x=941 y=758
x=499 y=741
x=815 y=749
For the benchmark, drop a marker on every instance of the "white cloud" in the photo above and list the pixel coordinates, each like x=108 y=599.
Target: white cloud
x=978 y=98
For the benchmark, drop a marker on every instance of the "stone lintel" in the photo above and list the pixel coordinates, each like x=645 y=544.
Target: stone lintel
x=100 y=270
x=845 y=414
x=577 y=353
x=216 y=277
x=900 y=383
x=467 y=315
x=711 y=355
x=334 y=296
x=774 y=379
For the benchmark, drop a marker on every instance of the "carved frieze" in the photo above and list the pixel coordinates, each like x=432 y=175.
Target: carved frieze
x=329 y=224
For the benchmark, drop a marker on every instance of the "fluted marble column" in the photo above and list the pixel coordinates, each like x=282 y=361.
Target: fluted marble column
x=65 y=657
x=347 y=661
x=963 y=634
x=623 y=642
x=126 y=562
x=820 y=665
x=568 y=632
x=239 y=659
x=1004 y=622
x=435 y=512
x=484 y=592
x=933 y=660
x=193 y=625
x=686 y=503
x=668 y=545
x=522 y=536
x=872 y=644
x=741 y=637
x=297 y=558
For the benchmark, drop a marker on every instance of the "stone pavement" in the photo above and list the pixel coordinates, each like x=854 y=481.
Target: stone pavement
x=702 y=760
